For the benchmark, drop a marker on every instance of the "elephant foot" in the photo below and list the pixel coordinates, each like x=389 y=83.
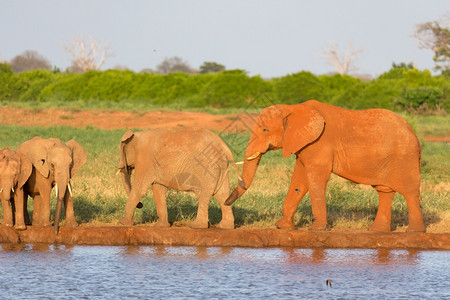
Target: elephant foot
x=285 y=224
x=226 y=224
x=20 y=227
x=162 y=224
x=126 y=221
x=316 y=225
x=380 y=227
x=415 y=228
x=71 y=223
x=199 y=224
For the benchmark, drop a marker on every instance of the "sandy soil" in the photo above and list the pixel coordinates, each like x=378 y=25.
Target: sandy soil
x=122 y=119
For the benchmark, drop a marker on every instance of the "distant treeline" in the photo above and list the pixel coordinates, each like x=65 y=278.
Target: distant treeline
x=397 y=89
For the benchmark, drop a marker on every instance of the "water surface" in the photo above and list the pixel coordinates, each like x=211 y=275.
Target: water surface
x=155 y=272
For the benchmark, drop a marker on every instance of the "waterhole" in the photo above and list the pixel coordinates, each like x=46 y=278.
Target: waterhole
x=42 y=271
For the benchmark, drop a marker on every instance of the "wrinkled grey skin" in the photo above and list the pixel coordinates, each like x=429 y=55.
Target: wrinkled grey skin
x=15 y=169
x=182 y=159
x=54 y=164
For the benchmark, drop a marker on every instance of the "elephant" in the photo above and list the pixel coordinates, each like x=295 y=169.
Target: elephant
x=15 y=169
x=374 y=147
x=54 y=164
x=186 y=159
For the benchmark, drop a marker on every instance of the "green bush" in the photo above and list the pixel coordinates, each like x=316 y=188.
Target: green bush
x=297 y=88
x=398 y=89
x=233 y=89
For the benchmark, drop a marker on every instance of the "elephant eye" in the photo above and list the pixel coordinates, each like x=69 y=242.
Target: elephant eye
x=265 y=129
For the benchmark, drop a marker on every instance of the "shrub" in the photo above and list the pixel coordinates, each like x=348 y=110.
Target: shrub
x=297 y=88
x=233 y=89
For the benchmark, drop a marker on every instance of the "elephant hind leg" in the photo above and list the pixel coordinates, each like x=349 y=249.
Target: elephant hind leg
x=383 y=218
x=201 y=221
x=159 y=194
x=227 y=221
x=414 y=212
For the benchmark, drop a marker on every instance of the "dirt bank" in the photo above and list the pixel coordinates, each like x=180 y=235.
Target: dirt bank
x=145 y=235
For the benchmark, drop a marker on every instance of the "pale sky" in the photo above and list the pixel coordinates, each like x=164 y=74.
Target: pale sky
x=266 y=37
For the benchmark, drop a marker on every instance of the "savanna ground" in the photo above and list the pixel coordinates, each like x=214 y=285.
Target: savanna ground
x=99 y=196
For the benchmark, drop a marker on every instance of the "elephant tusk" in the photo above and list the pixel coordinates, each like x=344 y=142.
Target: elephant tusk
x=69 y=187
x=239 y=163
x=56 y=190
x=1 y=190
x=254 y=156
x=12 y=189
x=118 y=171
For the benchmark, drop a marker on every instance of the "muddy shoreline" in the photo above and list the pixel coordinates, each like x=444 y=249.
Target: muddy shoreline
x=258 y=238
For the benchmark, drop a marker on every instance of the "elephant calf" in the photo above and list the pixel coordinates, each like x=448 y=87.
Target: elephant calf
x=15 y=169
x=182 y=159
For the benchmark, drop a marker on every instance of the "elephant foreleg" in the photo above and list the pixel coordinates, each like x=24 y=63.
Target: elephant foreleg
x=317 y=178
x=297 y=191
x=70 y=215
x=7 y=213
x=18 y=201
x=138 y=190
x=159 y=194
x=383 y=219
x=41 y=211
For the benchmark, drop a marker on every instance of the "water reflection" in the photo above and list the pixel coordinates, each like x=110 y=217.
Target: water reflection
x=75 y=272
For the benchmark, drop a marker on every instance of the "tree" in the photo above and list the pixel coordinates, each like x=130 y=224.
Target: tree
x=29 y=60
x=403 y=65
x=87 y=55
x=343 y=63
x=436 y=37
x=211 y=67
x=174 y=64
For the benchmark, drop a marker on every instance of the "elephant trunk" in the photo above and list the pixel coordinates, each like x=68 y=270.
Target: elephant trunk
x=61 y=188
x=251 y=162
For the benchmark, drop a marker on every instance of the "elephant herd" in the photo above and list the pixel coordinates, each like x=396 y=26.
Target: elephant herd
x=374 y=147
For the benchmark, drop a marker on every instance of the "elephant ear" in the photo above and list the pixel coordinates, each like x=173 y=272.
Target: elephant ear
x=79 y=156
x=126 y=138
x=36 y=150
x=25 y=169
x=301 y=127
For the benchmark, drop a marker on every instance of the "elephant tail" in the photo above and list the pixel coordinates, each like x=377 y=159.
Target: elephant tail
x=229 y=156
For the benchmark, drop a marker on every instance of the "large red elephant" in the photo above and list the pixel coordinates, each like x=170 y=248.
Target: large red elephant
x=375 y=147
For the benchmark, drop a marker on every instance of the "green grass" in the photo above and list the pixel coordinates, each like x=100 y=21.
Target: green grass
x=99 y=197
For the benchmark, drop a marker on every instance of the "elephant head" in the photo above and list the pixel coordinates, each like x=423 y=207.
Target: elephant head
x=57 y=162
x=287 y=127
x=15 y=169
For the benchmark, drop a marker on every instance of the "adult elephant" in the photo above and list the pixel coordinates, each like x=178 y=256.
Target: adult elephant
x=15 y=169
x=182 y=159
x=54 y=164
x=375 y=147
